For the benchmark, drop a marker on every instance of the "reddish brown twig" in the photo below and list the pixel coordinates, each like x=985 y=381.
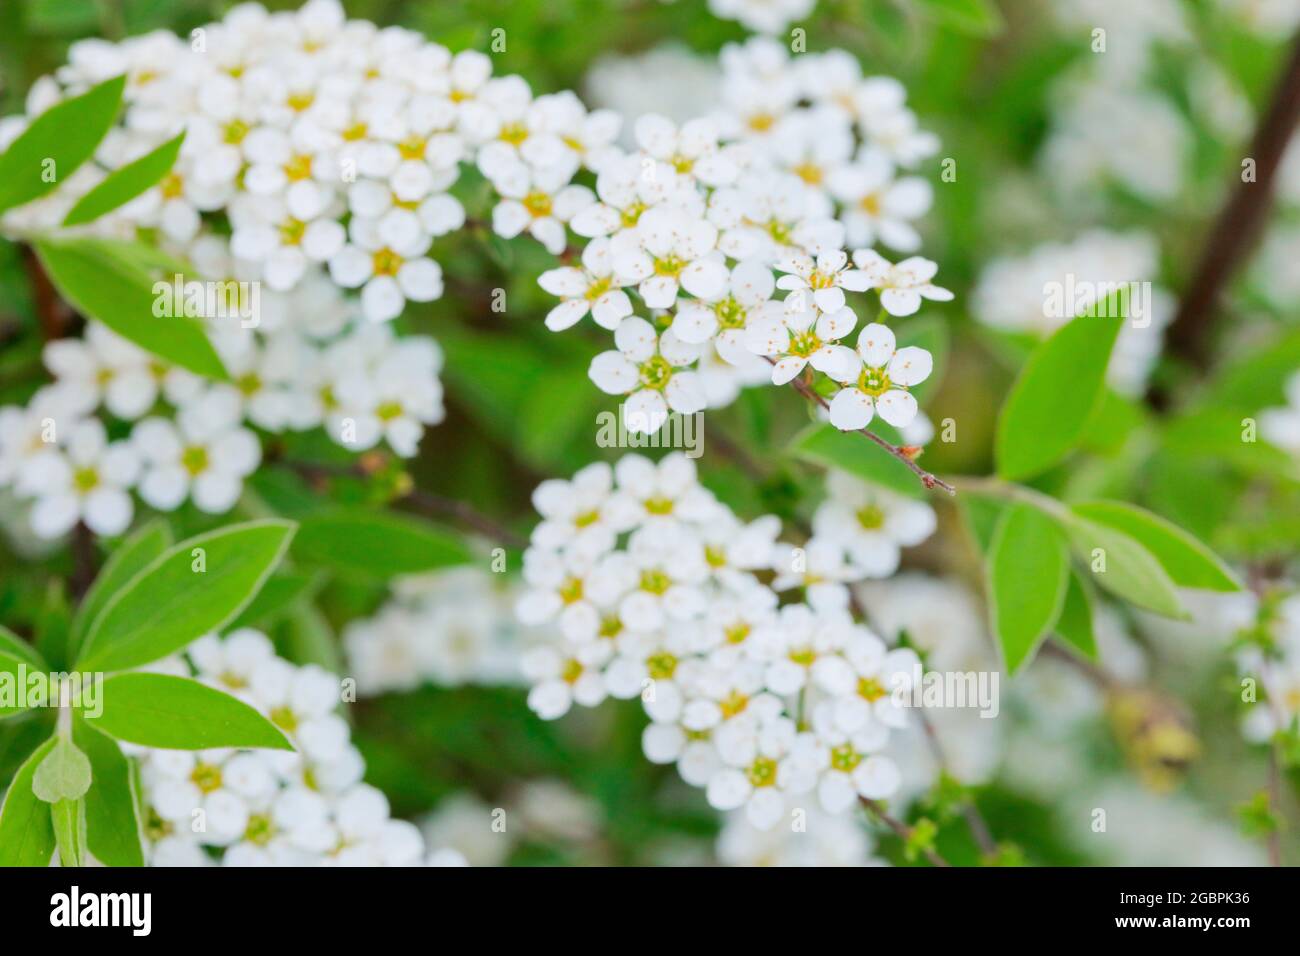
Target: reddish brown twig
x=930 y=481
x=903 y=831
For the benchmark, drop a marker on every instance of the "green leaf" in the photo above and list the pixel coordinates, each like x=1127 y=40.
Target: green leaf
x=1075 y=623
x=14 y=646
x=176 y=713
x=13 y=669
x=376 y=544
x=190 y=590
x=54 y=624
x=64 y=774
x=1121 y=565
x=1188 y=562
x=827 y=446
x=65 y=135
x=126 y=561
x=111 y=285
x=112 y=829
x=976 y=17
x=68 y=818
x=1052 y=401
x=1027 y=574
x=123 y=185
x=309 y=639
x=26 y=830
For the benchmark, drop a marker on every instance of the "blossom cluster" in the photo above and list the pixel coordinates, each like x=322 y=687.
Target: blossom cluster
x=1270 y=655
x=448 y=628
x=744 y=651
x=116 y=419
x=306 y=807
x=730 y=230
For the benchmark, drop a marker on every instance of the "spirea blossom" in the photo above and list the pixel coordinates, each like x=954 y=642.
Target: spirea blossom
x=645 y=585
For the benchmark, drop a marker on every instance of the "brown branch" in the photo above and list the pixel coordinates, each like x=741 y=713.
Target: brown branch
x=930 y=481
x=903 y=831
x=83 y=560
x=51 y=312
x=1240 y=220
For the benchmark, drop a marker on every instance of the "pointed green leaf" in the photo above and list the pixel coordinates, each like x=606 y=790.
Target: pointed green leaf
x=112 y=828
x=1188 y=562
x=1120 y=564
x=14 y=646
x=176 y=713
x=1075 y=623
x=190 y=590
x=112 y=286
x=1027 y=574
x=123 y=185
x=1051 y=403
x=68 y=818
x=57 y=142
x=26 y=831
x=376 y=544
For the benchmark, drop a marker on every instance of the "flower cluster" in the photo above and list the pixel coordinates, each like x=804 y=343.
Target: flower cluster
x=448 y=628
x=312 y=362
x=1271 y=657
x=654 y=589
x=307 y=807
x=727 y=231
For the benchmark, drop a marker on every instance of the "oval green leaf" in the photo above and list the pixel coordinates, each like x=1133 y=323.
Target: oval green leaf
x=26 y=830
x=1120 y=564
x=112 y=829
x=1027 y=573
x=1051 y=403
x=376 y=544
x=190 y=590
x=176 y=713
x=1188 y=562
x=112 y=286
x=57 y=142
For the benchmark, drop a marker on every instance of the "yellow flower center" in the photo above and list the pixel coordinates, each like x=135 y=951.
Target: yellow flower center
x=571 y=590
x=386 y=262
x=85 y=479
x=733 y=704
x=206 y=777
x=172 y=186
x=195 y=460
x=298 y=168
x=538 y=203
x=874 y=382
x=845 y=758
x=656 y=372
x=762 y=772
x=871 y=517
x=291 y=231
x=870 y=689
x=655 y=582
x=661 y=666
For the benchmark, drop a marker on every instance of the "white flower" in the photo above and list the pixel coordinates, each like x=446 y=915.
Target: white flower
x=645 y=367
x=591 y=288
x=851 y=767
x=764 y=16
x=803 y=336
x=825 y=277
x=880 y=383
x=665 y=492
x=693 y=149
x=625 y=189
x=760 y=766
x=878 y=206
x=904 y=285
x=88 y=481
x=582 y=513
x=747 y=294
x=802 y=645
x=107 y=366
x=536 y=200
x=871 y=522
x=560 y=680
x=670 y=249
x=205 y=455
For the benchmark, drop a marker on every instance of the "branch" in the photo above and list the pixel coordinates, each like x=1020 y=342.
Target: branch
x=1239 y=221
x=50 y=310
x=903 y=831
x=975 y=821
x=930 y=481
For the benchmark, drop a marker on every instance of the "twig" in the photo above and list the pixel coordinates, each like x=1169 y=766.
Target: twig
x=930 y=481
x=83 y=559
x=902 y=829
x=1238 y=223
x=50 y=310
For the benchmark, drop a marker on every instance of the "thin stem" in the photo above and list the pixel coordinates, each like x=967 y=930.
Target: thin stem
x=927 y=479
x=903 y=831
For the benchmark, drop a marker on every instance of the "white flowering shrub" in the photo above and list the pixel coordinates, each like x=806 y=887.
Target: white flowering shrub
x=562 y=409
